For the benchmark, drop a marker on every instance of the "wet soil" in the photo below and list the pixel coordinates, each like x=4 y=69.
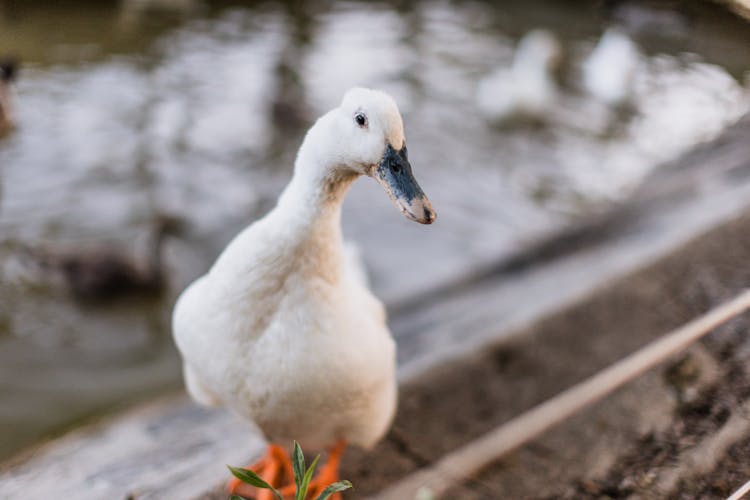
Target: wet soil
x=640 y=442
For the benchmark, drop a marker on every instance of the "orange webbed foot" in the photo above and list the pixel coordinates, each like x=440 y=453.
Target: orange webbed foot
x=328 y=473
x=275 y=468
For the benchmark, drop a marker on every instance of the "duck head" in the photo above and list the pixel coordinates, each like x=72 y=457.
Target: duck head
x=538 y=50
x=365 y=136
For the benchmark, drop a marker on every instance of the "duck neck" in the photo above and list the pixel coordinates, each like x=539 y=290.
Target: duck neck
x=309 y=211
x=530 y=68
x=311 y=204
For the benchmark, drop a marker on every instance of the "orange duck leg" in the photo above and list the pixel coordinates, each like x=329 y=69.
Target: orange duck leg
x=275 y=468
x=328 y=473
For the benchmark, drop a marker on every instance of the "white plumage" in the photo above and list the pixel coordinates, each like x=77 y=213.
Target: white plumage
x=283 y=329
x=527 y=89
x=609 y=71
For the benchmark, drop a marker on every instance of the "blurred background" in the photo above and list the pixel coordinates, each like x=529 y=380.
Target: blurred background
x=148 y=132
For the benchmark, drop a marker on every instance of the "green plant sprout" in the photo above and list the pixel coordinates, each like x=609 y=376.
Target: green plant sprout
x=302 y=478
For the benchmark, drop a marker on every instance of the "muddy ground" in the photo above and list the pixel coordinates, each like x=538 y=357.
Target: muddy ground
x=679 y=431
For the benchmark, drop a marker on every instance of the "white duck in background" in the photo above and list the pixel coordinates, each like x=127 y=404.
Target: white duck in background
x=528 y=88
x=609 y=71
x=282 y=329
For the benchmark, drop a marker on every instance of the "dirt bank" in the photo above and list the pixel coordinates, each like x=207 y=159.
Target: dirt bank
x=677 y=431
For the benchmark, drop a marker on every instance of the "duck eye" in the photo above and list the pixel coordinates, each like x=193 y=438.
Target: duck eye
x=361 y=119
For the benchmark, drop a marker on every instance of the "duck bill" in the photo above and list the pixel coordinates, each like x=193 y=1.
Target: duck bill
x=395 y=175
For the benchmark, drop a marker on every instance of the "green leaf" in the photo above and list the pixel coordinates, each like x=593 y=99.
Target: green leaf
x=302 y=489
x=334 y=488
x=250 y=477
x=298 y=464
x=237 y=497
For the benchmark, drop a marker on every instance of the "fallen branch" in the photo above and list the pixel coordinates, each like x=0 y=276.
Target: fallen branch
x=474 y=456
x=744 y=489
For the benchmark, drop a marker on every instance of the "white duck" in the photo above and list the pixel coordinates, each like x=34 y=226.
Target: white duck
x=609 y=71
x=527 y=89
x=283 y=329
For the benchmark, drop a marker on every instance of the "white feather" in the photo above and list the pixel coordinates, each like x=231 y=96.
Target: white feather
x=526 y=89
x=609 y=71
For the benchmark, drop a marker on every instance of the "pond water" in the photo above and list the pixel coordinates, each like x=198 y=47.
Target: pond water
x=127 y=110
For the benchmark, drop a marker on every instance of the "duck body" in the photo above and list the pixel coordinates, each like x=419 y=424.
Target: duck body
x=283 y=329
x=527 y=88
x=609 y=72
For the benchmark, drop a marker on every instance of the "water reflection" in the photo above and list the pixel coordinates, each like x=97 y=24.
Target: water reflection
x=8 y=72
x=131 y=109
x=289 y=111
x=104 y=275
